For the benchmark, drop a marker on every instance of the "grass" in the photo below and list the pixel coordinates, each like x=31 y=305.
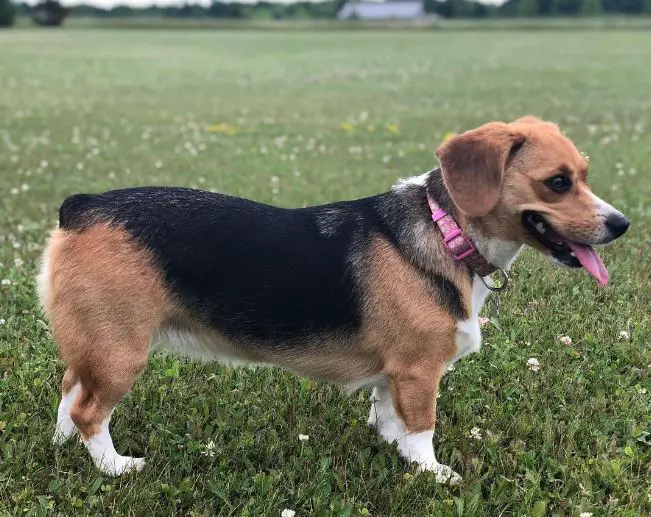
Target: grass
x=306 y=118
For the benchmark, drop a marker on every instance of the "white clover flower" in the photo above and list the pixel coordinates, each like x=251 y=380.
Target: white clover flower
x=475 y=433
x=624 y=335
x=451 y=368
x=14 y=191
x=18 y=262
x=483 y=321
x=585 y=514
x=303 y=437
x=533 y=364
x=2 y=321
x=6 y=281
x=287 y=513
x=566 y=340
x=209 y=449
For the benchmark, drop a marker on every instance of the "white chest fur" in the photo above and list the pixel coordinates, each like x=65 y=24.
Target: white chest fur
x=468 y=338
x=500 y=253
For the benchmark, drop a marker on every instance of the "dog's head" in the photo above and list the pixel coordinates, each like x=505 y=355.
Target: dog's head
x=525 y=181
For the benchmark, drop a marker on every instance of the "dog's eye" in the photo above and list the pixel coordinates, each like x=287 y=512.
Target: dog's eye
x=559 y=183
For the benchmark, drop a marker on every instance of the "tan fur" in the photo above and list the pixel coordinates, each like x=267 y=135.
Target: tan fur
x=105 y=302
x=413 y=335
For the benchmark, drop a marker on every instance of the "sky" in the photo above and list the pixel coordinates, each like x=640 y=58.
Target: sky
x=145 y=3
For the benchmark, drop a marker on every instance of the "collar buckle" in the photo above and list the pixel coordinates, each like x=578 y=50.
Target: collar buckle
x=461 y=250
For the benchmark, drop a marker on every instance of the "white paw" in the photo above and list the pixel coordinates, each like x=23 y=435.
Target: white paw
x=65 y=429
x=444 y=474
x=118 y=465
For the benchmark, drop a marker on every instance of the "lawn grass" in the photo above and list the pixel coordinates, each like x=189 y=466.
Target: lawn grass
x=306 y=118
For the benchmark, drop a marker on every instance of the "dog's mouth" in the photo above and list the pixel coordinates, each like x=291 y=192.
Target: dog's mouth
x=565 y=251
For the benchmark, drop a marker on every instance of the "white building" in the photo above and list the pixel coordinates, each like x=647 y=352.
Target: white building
x=407 y=10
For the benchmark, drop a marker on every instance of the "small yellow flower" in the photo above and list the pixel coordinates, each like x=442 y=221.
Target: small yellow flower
x=347 y=126
x=447 y=136
x=393 y=128
x=370 y=128
x=222 y=128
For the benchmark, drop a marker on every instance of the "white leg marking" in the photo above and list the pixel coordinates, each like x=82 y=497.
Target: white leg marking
x=416 y=447
x=65 y=427
x=101 y=449
x=468 y=337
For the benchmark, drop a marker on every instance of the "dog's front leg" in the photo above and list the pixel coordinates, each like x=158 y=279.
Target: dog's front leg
x=404 y=411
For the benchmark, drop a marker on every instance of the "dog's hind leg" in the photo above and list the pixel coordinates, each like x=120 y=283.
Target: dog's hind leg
x=106 y=301
x=93 y=407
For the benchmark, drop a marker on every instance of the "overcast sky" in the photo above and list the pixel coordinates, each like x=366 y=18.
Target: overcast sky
x=144 y=3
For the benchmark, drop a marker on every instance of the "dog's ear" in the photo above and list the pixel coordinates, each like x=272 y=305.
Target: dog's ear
x=473 y=165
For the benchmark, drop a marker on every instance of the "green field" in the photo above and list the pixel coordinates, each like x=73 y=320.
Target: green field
x=303 y=118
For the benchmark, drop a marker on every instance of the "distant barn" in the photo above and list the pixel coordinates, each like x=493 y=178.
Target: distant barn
x=405 y=10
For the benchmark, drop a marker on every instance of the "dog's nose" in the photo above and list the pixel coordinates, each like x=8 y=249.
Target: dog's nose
x=617 y=224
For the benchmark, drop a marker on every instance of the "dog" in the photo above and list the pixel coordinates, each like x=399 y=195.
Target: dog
x=380 y=292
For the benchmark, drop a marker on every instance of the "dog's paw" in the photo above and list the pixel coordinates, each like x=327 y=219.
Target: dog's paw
x=119 y=465
x=443 y=473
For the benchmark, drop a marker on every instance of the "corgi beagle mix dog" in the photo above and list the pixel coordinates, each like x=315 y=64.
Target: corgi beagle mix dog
x=379 y=292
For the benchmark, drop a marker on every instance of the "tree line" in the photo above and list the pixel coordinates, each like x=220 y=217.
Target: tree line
x=328 y=9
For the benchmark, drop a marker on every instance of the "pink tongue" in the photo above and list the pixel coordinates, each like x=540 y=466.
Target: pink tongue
x=590 y=261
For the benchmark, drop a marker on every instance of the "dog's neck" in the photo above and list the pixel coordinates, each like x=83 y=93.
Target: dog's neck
x=498 y=252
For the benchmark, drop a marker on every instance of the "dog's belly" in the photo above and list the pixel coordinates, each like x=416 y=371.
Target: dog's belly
x=324 y=359
x=205 y=346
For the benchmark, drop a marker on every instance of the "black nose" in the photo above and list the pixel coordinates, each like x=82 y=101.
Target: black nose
x=617 y=224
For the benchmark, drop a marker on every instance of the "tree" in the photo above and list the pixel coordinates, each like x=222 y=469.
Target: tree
x=646 y=6
x=49 y=13
x=591 y=7
x=7 y=13
x=529 y=8
x=553 y=7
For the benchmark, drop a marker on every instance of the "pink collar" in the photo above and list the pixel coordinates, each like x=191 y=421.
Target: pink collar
x=458 y=243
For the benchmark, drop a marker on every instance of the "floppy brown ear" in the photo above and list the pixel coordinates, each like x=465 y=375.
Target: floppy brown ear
x=473 y=165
